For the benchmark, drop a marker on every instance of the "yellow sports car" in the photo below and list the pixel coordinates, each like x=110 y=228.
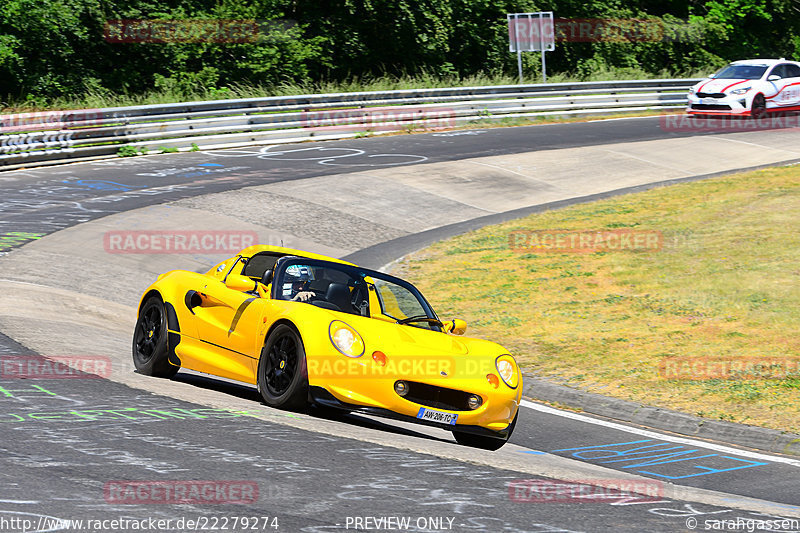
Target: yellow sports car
x=309 y=329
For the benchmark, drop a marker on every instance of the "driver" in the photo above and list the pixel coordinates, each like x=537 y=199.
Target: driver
x=296 y=283
x=303 y=294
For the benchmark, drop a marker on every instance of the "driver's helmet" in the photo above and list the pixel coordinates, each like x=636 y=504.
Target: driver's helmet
x=295 y=279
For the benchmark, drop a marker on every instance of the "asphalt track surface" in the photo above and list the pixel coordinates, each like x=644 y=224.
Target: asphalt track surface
x=39 y=201
x=65 y=441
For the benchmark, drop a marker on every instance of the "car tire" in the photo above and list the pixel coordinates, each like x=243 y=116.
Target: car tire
x=282 y=370
x=759 y=107
x=151 y=341
x=483 y=442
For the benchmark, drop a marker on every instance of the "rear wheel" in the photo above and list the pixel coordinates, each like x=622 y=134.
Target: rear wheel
x=282 y=372
x=483 y=442
x=150 y=341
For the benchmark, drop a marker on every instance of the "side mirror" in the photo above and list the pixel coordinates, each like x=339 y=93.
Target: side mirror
x=237 y=282
x=455 y=326
x=773 y=77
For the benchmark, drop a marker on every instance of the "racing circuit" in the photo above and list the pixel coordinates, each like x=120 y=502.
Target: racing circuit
x=63 y=292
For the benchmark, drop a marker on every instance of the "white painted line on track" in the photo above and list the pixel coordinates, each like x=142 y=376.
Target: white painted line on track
x=728 y=139
x=630 y=118
x=504 y=169
x=659 y=436
x=649 y=162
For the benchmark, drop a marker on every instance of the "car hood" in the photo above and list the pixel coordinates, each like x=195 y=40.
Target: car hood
x=712 y=85
x=398 y=339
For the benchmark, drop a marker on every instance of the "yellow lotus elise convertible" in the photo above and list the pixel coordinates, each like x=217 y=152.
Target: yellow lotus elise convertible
x=309 y=329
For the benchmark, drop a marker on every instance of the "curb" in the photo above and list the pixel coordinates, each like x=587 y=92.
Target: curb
x=768 y=440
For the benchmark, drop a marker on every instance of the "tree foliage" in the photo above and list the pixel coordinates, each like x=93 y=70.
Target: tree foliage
x=51 y=48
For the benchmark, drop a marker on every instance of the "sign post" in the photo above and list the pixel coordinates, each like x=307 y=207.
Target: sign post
x=531 y=32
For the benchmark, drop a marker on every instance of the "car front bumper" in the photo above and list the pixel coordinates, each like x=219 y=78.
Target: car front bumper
x=440 y=383
x=321 y=396
x=732 y=104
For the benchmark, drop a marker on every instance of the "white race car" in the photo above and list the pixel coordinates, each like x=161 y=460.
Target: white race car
x=753 y=87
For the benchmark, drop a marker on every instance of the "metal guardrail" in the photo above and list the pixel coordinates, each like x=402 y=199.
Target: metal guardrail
x=44 y=138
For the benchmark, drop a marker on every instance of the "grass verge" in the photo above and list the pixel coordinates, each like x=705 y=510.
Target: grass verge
x=723 y=286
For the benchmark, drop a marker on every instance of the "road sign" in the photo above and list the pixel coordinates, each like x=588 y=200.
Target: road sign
x=531 y=32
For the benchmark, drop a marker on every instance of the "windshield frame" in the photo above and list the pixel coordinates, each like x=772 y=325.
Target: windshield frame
x=716 y=76
x=356 y=272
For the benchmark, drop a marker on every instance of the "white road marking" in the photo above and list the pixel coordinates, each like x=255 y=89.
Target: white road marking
x=650 y=162
x=755 y=144
x=527 y=177
x=633 y=118
x=659 y=436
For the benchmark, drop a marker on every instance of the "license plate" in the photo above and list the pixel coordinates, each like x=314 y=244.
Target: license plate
x=437 y=416
x=709 y=101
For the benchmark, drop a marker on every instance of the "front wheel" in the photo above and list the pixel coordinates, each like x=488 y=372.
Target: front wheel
x=759 y=107
x=483 y=442
x=282 y=372
x=150 y=341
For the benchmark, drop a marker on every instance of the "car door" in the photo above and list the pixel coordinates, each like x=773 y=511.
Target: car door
x=228 y=324
x=791 y=88
x=778 y=80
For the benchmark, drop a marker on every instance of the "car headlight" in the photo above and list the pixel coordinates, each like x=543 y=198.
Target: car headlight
x=740 y=91
x=346 y=339
x=507 y=368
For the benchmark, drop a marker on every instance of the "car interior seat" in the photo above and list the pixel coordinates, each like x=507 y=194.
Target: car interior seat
x=339 y=295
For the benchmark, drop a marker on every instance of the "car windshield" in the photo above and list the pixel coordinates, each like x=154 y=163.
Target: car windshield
x=741 y=72
x=352 y=290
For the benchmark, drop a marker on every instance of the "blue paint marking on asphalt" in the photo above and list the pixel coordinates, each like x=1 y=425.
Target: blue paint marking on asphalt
x=210 y=165
x=683 y=463
x=710 y=470
x=532 y=452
